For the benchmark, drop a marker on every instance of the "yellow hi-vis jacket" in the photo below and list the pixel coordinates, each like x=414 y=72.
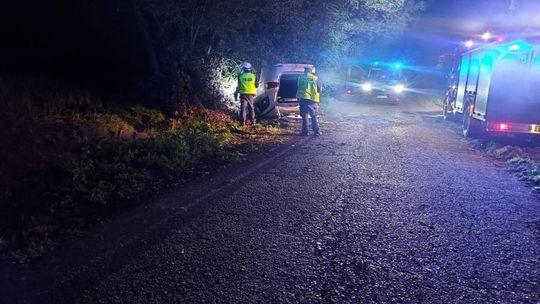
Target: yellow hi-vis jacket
x=247 y=84
x=308 y=88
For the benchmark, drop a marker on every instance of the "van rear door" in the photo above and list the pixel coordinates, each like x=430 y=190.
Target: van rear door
x=288 y=85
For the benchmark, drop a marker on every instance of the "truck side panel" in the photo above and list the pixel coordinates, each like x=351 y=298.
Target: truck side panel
x=514 y=94
x=484 y=82
x=463 y=75
x=535 y=69
x=474 y=72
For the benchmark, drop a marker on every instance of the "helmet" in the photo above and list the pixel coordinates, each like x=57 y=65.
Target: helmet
x=246 y=65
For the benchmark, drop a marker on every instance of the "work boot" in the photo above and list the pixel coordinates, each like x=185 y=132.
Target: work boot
x=318 y=133
x=303 y=134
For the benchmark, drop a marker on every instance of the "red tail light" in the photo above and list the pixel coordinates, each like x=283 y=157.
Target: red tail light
x=272 y=85
x=505 y=127
x=500 y=126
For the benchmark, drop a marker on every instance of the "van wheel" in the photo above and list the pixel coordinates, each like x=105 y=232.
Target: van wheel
x=471 y=127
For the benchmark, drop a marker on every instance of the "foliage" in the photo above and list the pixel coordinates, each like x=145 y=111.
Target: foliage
x=109 y=170
x=187 y=52
x=29 y=97
x=197 y=32
x=526 y=169
x=521 y=158
x=74 y=164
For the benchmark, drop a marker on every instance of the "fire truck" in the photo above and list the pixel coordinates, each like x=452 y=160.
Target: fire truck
x=495 y=88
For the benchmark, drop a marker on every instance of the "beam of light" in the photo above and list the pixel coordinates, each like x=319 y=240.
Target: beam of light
x=399 y=88
x=426 y=92
x=367 y=87
x=486 y=36
x=469 y=44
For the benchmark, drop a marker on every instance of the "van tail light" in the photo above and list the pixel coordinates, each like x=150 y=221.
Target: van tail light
x=272 y=85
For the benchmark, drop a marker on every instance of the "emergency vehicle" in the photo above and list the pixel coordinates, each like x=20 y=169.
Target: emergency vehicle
x=495 y=88
x=383 y=82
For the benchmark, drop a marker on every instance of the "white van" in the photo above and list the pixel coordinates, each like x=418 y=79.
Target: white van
x=278 y=97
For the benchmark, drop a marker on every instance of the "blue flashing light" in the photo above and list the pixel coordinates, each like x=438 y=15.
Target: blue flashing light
x=376 y=63
x=397 y=66
x=517 y=46
x=514 y=48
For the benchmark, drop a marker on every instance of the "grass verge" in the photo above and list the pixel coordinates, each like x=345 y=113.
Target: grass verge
x=523 y=159
x=64 y=172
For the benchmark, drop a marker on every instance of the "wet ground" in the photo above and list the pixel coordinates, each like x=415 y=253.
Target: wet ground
x=390 y=205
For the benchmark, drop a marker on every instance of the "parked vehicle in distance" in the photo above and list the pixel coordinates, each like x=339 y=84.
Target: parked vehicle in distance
x=496 y=89
x=279 y=95
x=382 y=83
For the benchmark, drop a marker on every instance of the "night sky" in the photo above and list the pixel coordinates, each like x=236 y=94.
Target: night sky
x=70 y=40
x=82 y=39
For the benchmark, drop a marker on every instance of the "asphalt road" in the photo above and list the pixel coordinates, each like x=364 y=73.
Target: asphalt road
x=390 y=205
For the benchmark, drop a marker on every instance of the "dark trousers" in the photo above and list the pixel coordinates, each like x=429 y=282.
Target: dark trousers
x=309 y=107
x=247 y=104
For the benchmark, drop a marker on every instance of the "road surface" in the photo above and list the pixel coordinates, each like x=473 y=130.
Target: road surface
x=390 y=205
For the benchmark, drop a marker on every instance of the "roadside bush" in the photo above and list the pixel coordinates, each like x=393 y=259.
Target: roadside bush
x=65 y=168
x=110 y=124
x=108 y=170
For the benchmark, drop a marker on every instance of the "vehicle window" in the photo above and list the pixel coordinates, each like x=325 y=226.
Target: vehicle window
x=357 y=74
x=384 y=74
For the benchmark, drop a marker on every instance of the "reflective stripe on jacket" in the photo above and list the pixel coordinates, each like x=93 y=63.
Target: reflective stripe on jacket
x=247 y=84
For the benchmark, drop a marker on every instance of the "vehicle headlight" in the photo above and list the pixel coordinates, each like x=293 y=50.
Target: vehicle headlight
x=367 y=87
x=399 y=88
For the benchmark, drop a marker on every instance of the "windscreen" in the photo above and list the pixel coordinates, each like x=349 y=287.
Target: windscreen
x=357 y=74
x=384 y=74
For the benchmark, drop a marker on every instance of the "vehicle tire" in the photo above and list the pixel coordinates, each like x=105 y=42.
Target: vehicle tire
x=472 y=127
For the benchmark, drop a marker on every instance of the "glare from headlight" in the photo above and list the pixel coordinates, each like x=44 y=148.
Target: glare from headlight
x=399 y=88
x=367 y=87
